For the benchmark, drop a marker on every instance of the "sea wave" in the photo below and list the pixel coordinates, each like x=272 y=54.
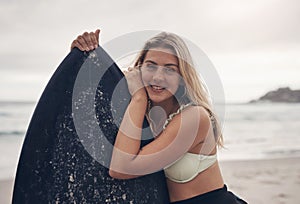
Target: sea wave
x=3 y=114
x=283 y=152
x=12 y=133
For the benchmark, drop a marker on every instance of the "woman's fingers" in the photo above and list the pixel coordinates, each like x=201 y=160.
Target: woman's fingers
x=89 y=38
x=134 y=80
x=97 y=32
x=80 y=43
x=75 y=43
x=94 y=43
x=87 y=41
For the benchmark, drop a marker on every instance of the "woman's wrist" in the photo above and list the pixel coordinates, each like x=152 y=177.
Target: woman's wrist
x=140 y=96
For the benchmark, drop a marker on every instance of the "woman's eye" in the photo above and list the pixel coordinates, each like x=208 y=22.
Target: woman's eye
x=150 y=66
x=169 y=70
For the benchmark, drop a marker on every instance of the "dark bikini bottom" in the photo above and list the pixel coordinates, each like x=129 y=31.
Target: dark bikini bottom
x=218 y=196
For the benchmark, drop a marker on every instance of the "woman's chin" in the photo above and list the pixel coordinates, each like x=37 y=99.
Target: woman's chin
x=160 y=99
x=159 y=96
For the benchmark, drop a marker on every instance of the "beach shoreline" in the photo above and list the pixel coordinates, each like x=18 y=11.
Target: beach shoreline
x=273 y=181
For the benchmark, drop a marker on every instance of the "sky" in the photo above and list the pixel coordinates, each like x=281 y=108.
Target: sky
x=253 y=44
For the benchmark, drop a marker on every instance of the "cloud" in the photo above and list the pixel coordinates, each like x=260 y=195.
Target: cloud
x=36 y=35
x=220 y=25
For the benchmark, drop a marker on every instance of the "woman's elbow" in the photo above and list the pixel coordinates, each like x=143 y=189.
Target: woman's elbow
x=114 y=174
x=117 y=175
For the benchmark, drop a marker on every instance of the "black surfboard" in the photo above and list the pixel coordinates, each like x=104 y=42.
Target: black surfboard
x=68 y=143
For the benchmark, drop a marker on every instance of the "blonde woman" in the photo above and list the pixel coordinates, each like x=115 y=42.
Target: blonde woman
x=167 y=90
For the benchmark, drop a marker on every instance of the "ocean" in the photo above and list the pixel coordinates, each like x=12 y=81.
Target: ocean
x=251 y=132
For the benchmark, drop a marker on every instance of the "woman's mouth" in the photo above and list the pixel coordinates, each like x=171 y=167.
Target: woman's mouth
x=157 y=89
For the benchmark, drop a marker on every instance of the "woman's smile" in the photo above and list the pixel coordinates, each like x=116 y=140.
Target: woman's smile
x=157 y=89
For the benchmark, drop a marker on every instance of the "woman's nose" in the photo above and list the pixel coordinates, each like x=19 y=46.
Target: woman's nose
x=158 y=75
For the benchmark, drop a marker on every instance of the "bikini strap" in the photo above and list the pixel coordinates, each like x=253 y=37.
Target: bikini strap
x=171 y=116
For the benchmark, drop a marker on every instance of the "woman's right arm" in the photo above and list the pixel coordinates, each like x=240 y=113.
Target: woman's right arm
x=87 y=41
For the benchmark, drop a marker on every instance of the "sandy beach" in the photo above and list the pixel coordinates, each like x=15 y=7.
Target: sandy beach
x=6 y=188
x=275 y=181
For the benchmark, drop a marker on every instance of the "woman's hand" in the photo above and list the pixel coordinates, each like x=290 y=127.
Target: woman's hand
x=87 y=41
x=134 y=81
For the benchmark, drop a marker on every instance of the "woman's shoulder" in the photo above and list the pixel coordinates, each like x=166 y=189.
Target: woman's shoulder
x=196 y=110
x=200 y=112
x=190 y=112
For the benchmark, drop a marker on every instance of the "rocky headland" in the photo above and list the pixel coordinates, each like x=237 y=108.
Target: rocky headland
x=281 y=95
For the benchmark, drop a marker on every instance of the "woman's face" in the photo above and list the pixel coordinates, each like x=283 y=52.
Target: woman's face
x=160 y=74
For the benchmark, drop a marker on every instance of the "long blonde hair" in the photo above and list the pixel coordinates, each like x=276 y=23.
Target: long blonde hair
x=193 y=90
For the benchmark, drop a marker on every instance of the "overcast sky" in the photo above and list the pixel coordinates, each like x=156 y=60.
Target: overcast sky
x=254 y=44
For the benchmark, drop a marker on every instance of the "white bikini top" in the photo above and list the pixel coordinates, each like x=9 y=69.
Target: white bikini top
x=189 y=165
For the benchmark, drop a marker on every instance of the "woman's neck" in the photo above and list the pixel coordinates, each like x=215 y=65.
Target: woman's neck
x=159 y=113
x=168 y=106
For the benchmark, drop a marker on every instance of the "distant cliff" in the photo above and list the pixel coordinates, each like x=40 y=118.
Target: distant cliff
x=281 y=95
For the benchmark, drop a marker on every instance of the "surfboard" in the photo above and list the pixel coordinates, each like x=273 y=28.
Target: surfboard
x=68 y=144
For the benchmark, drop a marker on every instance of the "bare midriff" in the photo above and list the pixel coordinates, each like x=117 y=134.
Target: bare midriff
x=206 y=181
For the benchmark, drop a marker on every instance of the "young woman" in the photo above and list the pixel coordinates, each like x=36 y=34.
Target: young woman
x=167 y=90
